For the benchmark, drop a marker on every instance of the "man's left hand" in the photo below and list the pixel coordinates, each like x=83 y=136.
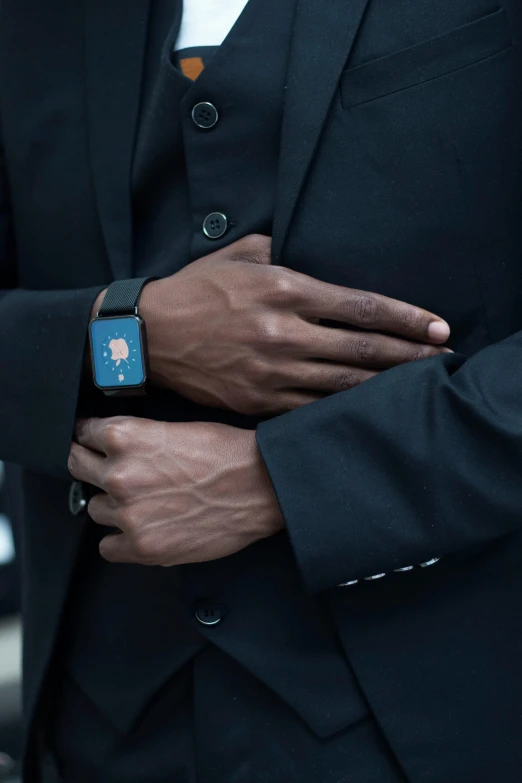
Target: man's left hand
x=175 y=493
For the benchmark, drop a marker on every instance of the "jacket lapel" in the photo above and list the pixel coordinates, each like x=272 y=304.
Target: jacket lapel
x=324 y=34
x=115 y=38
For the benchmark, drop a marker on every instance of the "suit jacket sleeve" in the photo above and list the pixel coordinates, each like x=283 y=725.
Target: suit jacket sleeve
x=422 y=461
x=42 y=341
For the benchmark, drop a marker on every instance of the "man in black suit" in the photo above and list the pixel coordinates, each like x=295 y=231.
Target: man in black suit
x=341 y=594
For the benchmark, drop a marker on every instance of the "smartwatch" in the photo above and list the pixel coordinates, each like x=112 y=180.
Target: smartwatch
x=118 y=340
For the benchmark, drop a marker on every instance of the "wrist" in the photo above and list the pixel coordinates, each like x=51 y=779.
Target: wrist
x=97 y=303
x=150 y=313
x=117 y=339
x=160 y=313
x=87 y=359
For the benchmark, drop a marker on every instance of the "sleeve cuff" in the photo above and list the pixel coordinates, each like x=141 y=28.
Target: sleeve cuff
x=42 y=343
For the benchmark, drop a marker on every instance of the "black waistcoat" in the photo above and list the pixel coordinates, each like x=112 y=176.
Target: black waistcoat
x=182 y=172
x=127 y=629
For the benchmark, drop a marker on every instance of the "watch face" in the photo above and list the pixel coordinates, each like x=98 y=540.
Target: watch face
x=117 y=352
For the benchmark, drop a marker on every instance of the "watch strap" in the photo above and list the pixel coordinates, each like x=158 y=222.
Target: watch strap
x=122 y=297
x=135 y=391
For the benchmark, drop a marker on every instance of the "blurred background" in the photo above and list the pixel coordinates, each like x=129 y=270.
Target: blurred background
x=10 y=628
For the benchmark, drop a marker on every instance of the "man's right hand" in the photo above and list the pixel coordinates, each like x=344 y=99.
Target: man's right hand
x=232 y=331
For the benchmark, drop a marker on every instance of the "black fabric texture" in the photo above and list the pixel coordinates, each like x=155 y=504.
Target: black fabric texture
x=168 y=143
x=212 y=723
x=415 y=193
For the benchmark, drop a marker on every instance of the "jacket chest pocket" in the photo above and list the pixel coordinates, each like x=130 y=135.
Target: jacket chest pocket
x=432 y=59
x=416 y=154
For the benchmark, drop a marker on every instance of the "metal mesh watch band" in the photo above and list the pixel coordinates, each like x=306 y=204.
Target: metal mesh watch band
x=122 y=297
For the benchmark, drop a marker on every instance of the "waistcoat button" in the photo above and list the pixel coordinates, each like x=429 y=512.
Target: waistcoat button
x=208 y=614
x=215 y=225
x=77 y=501
x=205 y=115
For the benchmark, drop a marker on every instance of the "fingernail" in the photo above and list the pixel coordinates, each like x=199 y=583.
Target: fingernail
x=438 y=331
x=447 y=350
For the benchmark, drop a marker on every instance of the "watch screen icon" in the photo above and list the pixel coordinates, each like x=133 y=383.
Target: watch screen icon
x=119 y=350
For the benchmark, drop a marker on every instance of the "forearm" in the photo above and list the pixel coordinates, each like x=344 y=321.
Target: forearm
x=424 y=460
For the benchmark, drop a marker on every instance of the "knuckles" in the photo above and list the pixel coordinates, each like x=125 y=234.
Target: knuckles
x=417 y=353
x=347 y=380
x=283 y=289
x=271 y=331
x=116 y=435
x=365 y=350
x=366 y=310
x=422 y=352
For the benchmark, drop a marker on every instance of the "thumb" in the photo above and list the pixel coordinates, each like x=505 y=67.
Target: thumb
x=252 y=249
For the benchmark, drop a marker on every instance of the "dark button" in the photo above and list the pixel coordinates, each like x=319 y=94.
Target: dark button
x=208 y=614
x=205 y=115
x=215 y=225
x=77 y=501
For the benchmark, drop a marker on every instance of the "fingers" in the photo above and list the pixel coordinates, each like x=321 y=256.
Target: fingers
x=106 y=436
x=103 y=510
x=117 y=548
x=365 y=349
x=371 y=311
x=329 y=378
x=86 y=465
x=292 y=399
x=252 y=249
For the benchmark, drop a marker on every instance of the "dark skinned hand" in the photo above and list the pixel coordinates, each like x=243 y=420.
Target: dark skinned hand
x=232 y=331
x=178 y=493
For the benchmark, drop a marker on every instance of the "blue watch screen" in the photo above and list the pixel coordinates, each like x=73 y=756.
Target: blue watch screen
x=116 y=351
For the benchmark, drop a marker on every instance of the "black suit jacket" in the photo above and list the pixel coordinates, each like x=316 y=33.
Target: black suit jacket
x=400 y=172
